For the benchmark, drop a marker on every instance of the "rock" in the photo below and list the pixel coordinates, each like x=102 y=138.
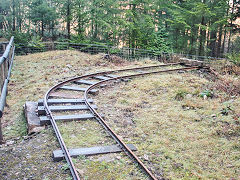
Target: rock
x=118 y=157
x=33 y=121
x=146 y=157
x=105 y=158
x=204 y=97
x=178 y=165
x=189 y=96
x=69 y=66
x=9 y=143
x=127 y=122
x=181 y=71
x=214 y=115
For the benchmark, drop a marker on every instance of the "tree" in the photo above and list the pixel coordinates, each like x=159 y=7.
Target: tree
x=41 y=14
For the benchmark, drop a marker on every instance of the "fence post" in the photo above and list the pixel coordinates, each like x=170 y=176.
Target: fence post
x=1 y=135
x=5 y=67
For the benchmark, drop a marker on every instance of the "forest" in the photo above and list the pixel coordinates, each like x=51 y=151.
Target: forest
x=197 y=27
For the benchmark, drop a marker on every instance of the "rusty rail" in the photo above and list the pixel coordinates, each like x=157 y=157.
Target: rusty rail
x=6 y=62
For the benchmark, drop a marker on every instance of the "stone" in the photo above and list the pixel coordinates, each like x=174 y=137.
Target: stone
x=10 y=143
x=214 y=115
x=146 y=157
x=33 y=121
x=189 y=96
x=205 y=97
x=105 y=158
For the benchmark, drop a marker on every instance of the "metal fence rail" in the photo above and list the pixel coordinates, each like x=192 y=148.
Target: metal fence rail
x=6 y=62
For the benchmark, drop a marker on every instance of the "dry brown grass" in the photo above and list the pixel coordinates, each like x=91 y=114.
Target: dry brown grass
x=177 y=139
x=186 y=138
x=34 y=74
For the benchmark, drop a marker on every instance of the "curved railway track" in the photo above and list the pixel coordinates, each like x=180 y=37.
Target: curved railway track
x=103 y=78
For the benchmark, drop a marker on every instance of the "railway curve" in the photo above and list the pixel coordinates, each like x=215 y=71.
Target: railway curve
x=103 y=78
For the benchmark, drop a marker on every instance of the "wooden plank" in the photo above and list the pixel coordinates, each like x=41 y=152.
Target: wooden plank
x=114 y=76
x=41 y=110
x=111 y=75
x=58 y=154
x=63 y=101
x=44 y=120
x=65 y=95
x=140 y=71
x=85 y=82
x=101 y=78
x=72 y=88
x=88 y=82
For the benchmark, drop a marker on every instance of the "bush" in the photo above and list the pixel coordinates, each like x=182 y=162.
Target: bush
x=180 y=94
x=206 y=93
x=235 y=58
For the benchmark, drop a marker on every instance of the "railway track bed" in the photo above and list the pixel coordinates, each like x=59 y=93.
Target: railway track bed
x=147 y=113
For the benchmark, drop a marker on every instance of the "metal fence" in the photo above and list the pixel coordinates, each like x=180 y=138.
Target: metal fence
x=123 y=52
x=6 y=62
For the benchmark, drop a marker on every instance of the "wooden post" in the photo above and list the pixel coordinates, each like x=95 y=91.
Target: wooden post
x=4 y=46
x=4 y=67
x=1 y=135
x=2 y=75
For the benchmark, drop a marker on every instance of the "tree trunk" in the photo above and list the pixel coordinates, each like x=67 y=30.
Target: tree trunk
x=219 y=44
x=223 y=44
x=95 y=31
x=1 y=23
x=231 y=25
x=68 y=19
x=13 y=16
x=212 y=44
x=42 y=23
x=202 y=38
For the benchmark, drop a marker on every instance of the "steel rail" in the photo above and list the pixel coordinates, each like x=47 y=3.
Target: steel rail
x=53 y=121
x=107 y=127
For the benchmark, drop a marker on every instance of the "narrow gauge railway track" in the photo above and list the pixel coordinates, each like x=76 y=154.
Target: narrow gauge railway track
x=103 y=78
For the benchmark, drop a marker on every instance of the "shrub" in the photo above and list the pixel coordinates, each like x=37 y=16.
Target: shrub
x=235 y=58
x=207 y=93
x=180 y=94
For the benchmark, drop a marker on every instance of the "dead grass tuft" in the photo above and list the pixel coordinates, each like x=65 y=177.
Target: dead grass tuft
x=230 y=69
x=229 y=85
x=115 y=60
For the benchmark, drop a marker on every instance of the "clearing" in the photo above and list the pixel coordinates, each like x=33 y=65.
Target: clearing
x=183 y=124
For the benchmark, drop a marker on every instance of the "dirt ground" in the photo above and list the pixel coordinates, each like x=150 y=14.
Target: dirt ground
x=183 y=125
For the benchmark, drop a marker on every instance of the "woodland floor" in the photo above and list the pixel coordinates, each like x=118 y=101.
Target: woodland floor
x=179 y=133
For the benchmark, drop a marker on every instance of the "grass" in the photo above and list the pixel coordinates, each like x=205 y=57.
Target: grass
x=84 y=134
x=34 y=74
x=117 y=168
x=31 y=77
x=183 y=138
x=178 y=133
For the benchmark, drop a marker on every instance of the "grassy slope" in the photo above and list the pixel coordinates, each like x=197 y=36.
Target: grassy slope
x=179 y=139
x=32 y=76
x=175 y=138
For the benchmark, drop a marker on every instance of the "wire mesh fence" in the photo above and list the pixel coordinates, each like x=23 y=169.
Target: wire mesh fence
x=123 y=52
